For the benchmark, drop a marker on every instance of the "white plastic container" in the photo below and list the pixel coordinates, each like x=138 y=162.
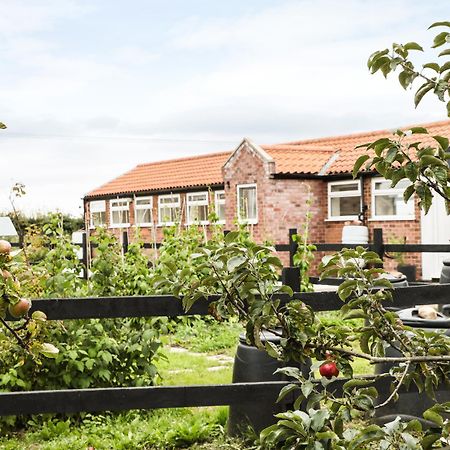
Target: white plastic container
x=355 y=234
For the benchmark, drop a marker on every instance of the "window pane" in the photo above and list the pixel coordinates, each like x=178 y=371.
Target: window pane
x=393 y=205
x=344 y=187
x=143 y=215
x=247 y=203
x=169 y=214
x=345 y=206
x=120 y=217
x=197 y=197
x=386 y=185
x=170 y=199
x=98 y=219
x=220 y=196
x=119 y=203
x=198 y=213
x=97 y=206
x=220 y=211
x=143 y=201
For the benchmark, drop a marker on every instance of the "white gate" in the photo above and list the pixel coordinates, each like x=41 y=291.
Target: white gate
x=435 y=230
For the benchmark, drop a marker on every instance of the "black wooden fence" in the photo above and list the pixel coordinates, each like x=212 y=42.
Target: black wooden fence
x=151 y=397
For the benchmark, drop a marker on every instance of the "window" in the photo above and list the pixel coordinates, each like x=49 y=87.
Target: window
x=344 y=200
x=169 y=210
x=143 y=211
x=97 y=212
x=197 y=208
x=247 y=203
x=388 y=203
x=119 y=212
x=219 y=204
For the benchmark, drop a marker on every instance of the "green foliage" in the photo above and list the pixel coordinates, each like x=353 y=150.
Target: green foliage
x=434 y=76
x=304 y=255
x=156 y=430
x=425 y=166
x=23 y=222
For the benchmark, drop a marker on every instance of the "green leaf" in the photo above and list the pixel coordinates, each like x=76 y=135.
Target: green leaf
x=235 y=262
x=426 y=87
x=287 y=390
x=429 y=160
x=413 y=46
x=409 y=191
x=411 y=171
x=359 y=162
x=425 y=196
x=391 y=155
x=435 y=66
x=2 y=126
x=439 y=24
x=445 y=67
x=404 y=78
x=433 y=416
x=440 y=39
x=440 y=174
x=354 y=314
x=445 y=52
x=231 y=237
x=307 y=387
x=48 y=350
x=418 y=130
x=356 y=382
x=442 y=141
x=429 y=440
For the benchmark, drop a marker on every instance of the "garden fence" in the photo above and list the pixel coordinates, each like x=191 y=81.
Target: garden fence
x=151 y=397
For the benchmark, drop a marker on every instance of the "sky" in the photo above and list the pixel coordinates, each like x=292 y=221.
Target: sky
x=91 y=88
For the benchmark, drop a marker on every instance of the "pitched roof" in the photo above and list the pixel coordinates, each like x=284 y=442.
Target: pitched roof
x=323 y=156
x=203 y=170
x=345 y=145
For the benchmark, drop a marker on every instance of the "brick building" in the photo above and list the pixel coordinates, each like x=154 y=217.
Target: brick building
x=267 y=187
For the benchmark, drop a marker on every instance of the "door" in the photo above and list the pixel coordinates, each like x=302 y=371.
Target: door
x=435 y=230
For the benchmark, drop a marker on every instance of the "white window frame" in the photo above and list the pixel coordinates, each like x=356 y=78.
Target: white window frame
x=219 y=201
x=94 y=208
x=140 y=207
x=190 y=203
x=390 y=191
x=343 y=194
x=118 y=208
x=176 y=204
x=238 y=196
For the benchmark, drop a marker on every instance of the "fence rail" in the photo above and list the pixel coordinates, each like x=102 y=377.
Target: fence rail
x=120 y=399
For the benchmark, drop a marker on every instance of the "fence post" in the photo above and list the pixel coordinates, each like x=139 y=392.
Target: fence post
x=292 y=246
x=84 y=260
x=290 y=276
x=124 y=242
x=378 y=244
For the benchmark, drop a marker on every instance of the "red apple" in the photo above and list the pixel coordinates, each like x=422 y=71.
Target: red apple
x=5 y=247
x=20 y=309
x=329 y=370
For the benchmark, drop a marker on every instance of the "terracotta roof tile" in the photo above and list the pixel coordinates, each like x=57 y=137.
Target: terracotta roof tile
x=292 y=159
x=323 y=156
x=345 y=145
x=165 y=175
